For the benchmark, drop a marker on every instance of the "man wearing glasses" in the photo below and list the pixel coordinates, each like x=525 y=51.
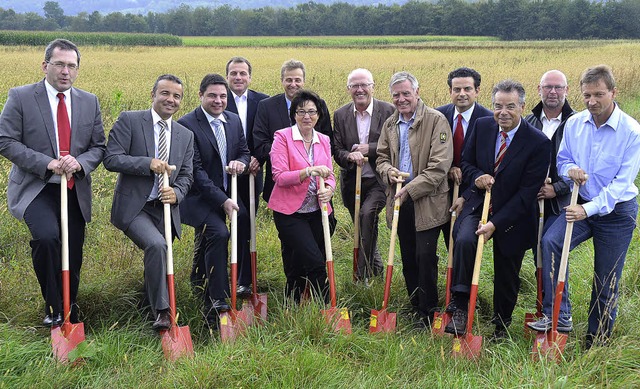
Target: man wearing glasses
x=356 y=131
x=550 y=116
x=36 y=129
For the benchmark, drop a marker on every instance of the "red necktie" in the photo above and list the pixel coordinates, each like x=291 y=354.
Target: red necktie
x=458 y=141
x=64 y=131
x=501 y=151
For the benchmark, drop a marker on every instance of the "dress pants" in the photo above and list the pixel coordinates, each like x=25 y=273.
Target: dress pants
x=506 y=283
x=372 y=201
x=244 y=261
x=419 y=261
x=147 y=232
x=42 y=217
x=302 y=233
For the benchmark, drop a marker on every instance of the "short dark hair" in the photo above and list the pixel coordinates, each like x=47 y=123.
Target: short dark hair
x=599 y=73
x=301 y=97
x=212 y=79
x=509 y=86
x=465 y=72
x=168 y=77
x=61 y=44
x=238 y=60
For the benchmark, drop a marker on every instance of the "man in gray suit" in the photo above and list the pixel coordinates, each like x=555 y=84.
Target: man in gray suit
x=135 y=150
x=356 y=129
x=48 y=129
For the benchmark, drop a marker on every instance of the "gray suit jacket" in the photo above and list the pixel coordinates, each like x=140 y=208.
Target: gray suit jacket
x=130 y=149
x=28 y=139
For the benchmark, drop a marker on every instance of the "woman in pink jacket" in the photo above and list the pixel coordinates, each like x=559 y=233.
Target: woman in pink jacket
x=298 y=155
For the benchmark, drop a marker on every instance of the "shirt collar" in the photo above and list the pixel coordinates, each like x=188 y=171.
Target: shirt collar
x=243 y=96
x=401 y=120
x=156 y=118
x=544 y=116
x=512 y=133
x=466 y=115
x=211 y=118
x=613 y=120
x=51 y=91
x=296 y=135
x=369 y=109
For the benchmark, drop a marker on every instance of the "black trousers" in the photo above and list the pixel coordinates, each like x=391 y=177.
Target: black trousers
x=506 y=283
x=42 y=217
x=302 y=233
x=419 y=261
x=244 y=261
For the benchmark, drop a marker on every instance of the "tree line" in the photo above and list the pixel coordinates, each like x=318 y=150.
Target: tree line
x=506 y=19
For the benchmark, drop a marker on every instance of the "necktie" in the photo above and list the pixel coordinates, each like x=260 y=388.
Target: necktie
x=458 y=140
x=501 y=151
x=64 y=131
x=163 y=151
x=218 y=130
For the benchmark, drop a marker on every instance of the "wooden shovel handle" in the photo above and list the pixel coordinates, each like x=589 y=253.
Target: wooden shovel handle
x=564 y=258
x=481 y=242
x=167 y=224
x=325 y=224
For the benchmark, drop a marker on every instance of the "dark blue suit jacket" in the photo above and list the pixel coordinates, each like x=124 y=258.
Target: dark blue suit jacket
x=207 y=192
x=478 y=112
x=517 y=181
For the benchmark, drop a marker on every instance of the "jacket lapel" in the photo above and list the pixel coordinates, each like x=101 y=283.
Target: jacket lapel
x=147 y=130
x=45 y=109
x=206 y=129
x=517 y=144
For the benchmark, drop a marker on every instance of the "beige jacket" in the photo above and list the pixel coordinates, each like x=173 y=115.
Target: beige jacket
x=431 y=146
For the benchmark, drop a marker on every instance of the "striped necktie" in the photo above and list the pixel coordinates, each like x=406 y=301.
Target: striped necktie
x=221 y=139
x=501 y=151
x=163 y=150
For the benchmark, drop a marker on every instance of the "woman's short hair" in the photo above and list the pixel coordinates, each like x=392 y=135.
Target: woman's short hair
x=301 y=97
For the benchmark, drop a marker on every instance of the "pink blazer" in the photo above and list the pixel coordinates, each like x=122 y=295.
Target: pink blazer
x=288 y=157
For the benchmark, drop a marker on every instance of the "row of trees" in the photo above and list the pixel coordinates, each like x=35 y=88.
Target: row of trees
x=506 y=19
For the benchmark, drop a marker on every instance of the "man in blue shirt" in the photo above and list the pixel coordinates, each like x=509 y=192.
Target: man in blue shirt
x=604 y=143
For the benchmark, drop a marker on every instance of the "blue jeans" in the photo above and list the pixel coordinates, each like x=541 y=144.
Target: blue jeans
x=611 y=237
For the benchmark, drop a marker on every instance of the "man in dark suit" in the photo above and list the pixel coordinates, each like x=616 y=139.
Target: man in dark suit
x=48 y=129
x=356 y=131
x=142 y=146
x=219 y=142
x=509 y=157
x=244 y=102
x=462 y=113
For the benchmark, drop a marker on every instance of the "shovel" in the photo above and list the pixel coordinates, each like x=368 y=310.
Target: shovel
x=68 y=336
x=470 y=345
x=382 y=320
x=256 y=305
x=440 y=320
x=338 y=318
x=176 y=341
x=552 y=343
x=533 y=316
x=233 y=322
x=356 y=220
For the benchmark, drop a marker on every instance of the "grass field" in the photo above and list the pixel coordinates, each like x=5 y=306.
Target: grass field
x=294 y=349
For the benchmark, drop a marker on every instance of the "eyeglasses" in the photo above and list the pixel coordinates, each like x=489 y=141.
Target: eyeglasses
x=62 y=65
x=302 y=113
x=358 y=86
x=549 y=88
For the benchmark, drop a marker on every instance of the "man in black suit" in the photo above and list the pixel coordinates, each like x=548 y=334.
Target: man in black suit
x=244 y=102
x=462 y=113
x=509 y=157
x=218 y=142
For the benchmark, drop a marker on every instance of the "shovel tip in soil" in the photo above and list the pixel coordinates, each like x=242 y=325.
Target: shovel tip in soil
x=176 y=343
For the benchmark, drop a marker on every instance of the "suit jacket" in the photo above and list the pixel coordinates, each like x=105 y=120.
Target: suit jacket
x=253 y=98
x=130 y=149
x=517 y=181
x=288 y=157
x=345 y=135
x=273 y=115
x=207 y=192
x=28 y=139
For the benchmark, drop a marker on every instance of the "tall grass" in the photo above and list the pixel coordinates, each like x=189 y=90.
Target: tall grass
x=40 y=38
x=295 y=348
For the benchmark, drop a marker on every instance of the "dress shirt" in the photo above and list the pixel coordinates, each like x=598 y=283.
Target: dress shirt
x=156 y=136
x=363 y=120
x=510 y=136
x=310 y=202
x=466 y=116
x=550 y=125
x=406 y=165
x=610 y=155
x=52 y=95
x=241 y=104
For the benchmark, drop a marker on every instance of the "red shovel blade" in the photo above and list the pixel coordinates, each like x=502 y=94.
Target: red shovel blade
x=258 y=304
x=338 y=319
x=176 y=342
x=468 y=346
x=233 y=323
x=382 y=321
x=549 y=345
x=440 y=321
x=65 y=339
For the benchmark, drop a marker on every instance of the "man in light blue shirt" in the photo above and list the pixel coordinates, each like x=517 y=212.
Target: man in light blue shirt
x=604 y=143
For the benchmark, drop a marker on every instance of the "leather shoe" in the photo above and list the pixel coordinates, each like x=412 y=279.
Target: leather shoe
x=243 y=290
x=458 y=324
x=52 y=320
x=220 y=306
x=73 y=316
x=163 y=321
x=500 y=333
x=452 y=307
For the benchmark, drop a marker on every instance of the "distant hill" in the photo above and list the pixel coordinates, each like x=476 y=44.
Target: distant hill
x=73 y=7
